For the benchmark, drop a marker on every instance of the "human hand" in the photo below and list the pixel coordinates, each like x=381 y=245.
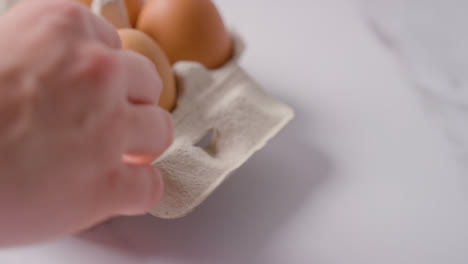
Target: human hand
x=72 y=105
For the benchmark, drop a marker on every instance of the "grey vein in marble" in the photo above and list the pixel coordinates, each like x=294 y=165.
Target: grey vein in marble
x=430 y=39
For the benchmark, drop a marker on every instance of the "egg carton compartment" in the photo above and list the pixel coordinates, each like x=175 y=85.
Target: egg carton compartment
x=222 y=118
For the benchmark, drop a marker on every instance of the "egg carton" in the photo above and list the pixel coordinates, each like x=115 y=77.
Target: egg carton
x=221 y=119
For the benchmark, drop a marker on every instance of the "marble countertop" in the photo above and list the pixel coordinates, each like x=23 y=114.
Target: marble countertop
x=373 y=170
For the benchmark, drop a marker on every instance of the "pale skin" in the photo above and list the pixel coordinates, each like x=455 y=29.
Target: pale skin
x=79 y=124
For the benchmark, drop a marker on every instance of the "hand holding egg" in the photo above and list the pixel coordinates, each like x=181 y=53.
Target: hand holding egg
x=73 y=103
x=228 y=96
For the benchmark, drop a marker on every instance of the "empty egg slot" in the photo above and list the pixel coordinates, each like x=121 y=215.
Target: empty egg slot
x=208 y=142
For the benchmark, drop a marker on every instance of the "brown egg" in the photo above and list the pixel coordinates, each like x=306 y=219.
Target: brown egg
x=86 y=2
x=133 y=8
x=139 y=42
x=187 y=30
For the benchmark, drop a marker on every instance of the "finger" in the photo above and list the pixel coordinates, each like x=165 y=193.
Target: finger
x=97 y=85
x=150 y=131
x=74 y=18
x=133 y=190
x=100 y=29
x=143 y=83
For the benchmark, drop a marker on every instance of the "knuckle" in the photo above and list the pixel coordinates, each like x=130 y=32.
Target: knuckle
x=116 y=119
x=17 y=106
x=67 y=17
x=100 y=65
x=72 y=11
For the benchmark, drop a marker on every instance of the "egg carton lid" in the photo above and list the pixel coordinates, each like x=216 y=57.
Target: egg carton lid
x=222 y=118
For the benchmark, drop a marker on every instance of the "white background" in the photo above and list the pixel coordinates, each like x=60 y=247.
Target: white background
x=367 y=173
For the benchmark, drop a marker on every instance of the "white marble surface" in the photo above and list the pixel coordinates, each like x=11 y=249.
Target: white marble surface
x=373 y=170
x=430 y=39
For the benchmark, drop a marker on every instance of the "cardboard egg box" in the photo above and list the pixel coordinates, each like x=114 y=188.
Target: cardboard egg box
x=221 y=119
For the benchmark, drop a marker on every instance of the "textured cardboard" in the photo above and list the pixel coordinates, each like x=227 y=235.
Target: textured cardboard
x=233 y=115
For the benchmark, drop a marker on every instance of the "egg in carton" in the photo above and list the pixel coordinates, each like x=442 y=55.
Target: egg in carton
x=221 y=119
